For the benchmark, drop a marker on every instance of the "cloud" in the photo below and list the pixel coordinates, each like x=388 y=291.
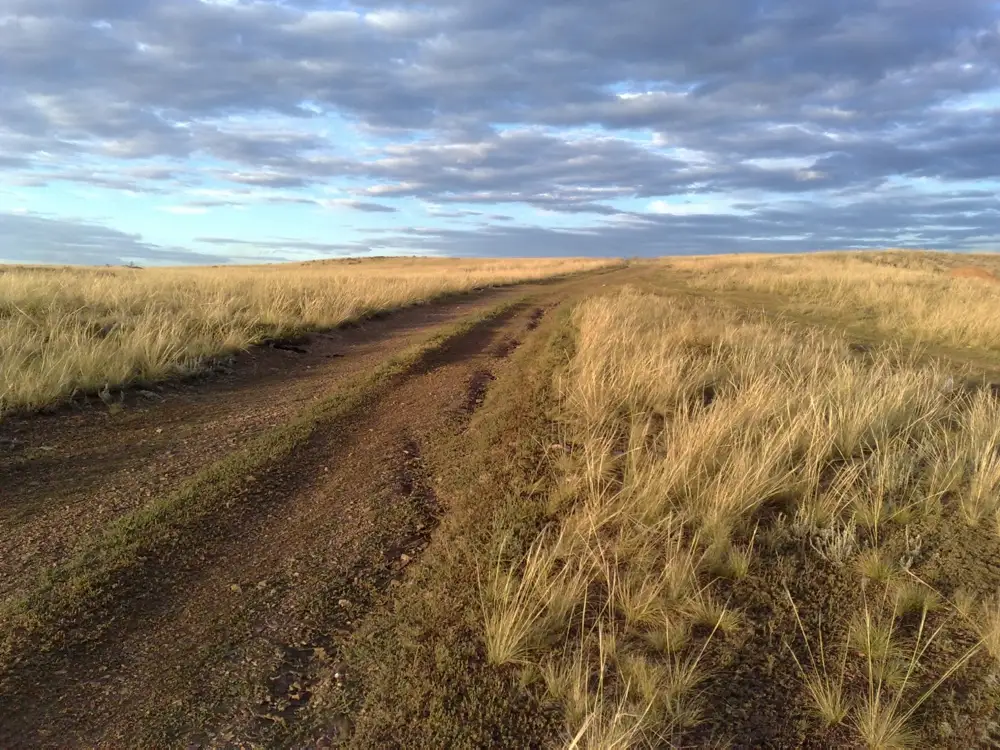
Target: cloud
x=30 y=238
x=191 y=209
x=583 y=111
x=366 y=206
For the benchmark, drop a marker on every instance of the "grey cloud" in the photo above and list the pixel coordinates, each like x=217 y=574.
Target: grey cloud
x=527 y=166
x=269 y=179
x=333 y=248
x=366 y=206
x=960 y=221
x=477 y=93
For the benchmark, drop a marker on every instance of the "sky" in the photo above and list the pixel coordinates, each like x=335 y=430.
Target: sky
x=165 y=132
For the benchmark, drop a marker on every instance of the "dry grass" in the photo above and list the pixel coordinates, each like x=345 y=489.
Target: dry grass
x=892 y=668
x=689 y=423
x=825 y=688
x=74 y=329
x=883 y=717
x=926 y=297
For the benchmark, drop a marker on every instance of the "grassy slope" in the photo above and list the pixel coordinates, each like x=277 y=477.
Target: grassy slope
x=923 y=299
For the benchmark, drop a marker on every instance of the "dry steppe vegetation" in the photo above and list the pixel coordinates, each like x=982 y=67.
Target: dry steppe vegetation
x=67 y=330
x=939 y=298
x=710 y=456
x=726 y=502
x=764 y=533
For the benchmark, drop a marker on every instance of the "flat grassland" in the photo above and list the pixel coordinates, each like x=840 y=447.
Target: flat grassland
x=692 y=502
x=81 y=329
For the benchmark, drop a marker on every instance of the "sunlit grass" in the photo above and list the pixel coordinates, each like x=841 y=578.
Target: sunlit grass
x=918 y=295
x=78 y=329
x=692 y=425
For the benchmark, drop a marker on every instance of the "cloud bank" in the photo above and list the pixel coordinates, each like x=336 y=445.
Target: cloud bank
x=490 y=127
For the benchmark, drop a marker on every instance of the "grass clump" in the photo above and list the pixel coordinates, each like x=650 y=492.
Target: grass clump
x=825 y=688
x=874 y=565
x=891 y=667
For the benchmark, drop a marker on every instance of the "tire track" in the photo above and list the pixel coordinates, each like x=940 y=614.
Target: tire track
x=231 y=626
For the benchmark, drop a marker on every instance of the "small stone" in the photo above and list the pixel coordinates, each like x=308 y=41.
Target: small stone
x=235 y=587
x=405 y=559
x=159 y=430
x=344 y=603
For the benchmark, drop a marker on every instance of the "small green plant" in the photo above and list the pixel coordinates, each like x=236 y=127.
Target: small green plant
x=875 y=566
x=913 y=596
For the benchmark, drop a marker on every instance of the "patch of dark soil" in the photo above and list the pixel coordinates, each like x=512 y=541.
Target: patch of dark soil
x=470 y=343
x=504 y=348
x=413 y=487
x=290 y=688
x=708 y=395
x=754 y=694
x=288 y=346
x=859 y=347
x=536 y=318
x=479 y=383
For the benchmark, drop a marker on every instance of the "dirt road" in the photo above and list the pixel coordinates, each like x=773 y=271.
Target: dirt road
x=213 y=623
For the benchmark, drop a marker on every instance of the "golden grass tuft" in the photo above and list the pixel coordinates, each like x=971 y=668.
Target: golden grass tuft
x=989 y=627
x=826 y=689
x=873 y=565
